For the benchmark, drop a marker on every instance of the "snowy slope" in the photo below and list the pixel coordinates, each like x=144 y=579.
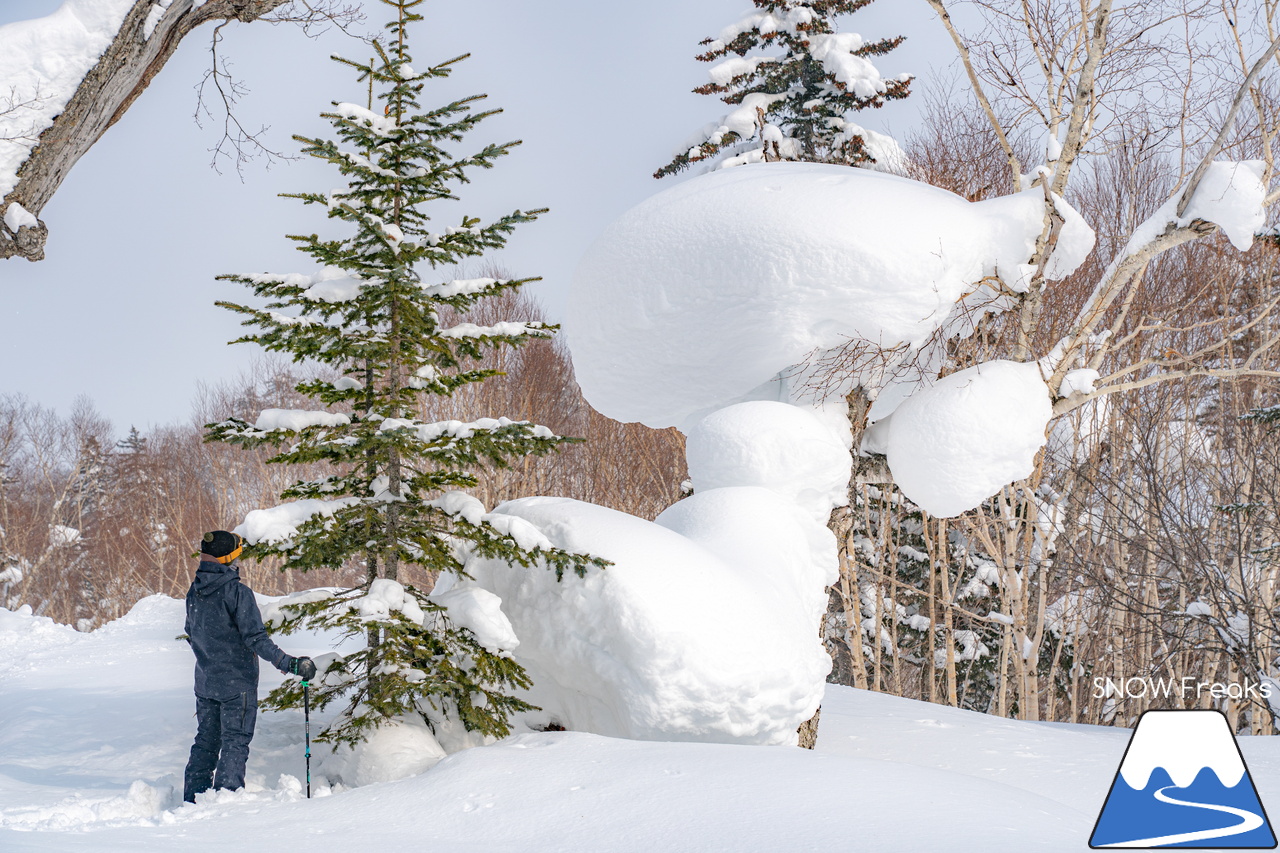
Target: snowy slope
x=96 y=728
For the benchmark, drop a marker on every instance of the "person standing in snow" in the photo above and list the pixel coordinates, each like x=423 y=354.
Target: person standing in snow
x=225 y=630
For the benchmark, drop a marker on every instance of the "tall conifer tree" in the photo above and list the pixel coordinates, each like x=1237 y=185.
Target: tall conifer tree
x=793 y=105
x=394 y=497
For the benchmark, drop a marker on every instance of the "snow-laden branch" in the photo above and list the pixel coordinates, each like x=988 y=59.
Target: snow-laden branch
x=1073 y=402
x=1225 y=195
x=278 y=525
x=1204 y=362
x=1228 y=124
x=506 y=329
x=111 y=50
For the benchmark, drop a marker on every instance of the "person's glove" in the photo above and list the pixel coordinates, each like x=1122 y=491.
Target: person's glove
x=304 y=668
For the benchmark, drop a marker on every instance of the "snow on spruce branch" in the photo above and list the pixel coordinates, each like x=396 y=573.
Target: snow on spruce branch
x=793 y=105
x=455 y=429
x=296 y=420
x=498 y=330
x=464 y=507
x=331 y=284
x=278 y=526
x=381 y=125
x=465 y=287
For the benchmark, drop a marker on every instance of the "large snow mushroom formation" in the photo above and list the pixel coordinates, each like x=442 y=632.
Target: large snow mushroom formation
x=699 y=309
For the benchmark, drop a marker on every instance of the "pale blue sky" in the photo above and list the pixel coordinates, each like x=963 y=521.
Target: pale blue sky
x=122 y=309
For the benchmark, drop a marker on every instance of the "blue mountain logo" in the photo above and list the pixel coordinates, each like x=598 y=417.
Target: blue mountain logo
x=1183 y=783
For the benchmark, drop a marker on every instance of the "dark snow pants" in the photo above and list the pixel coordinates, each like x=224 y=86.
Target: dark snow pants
x=224 y=728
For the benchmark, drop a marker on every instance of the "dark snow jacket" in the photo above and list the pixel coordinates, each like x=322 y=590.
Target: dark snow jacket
x=226 y=631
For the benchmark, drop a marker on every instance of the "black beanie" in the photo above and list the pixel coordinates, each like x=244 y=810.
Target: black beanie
x=219 y=543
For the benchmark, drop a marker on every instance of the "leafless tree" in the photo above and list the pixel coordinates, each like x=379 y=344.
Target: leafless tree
x=1087 y=568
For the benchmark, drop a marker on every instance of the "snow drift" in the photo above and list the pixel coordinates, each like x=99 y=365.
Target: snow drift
x=97 y=727
x=397 y=750
x=703 y=629
x=685 y=312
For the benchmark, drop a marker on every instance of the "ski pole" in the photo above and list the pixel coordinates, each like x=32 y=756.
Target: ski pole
x=306 y=716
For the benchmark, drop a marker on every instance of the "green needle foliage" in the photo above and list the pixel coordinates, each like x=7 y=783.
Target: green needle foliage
x=792 y=103
x=393 y=497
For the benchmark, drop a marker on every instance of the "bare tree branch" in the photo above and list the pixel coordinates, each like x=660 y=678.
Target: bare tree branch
x=1015 y=169
x=237 y=143
x=1228 y=124
x=1084 y=103
x=16 y=103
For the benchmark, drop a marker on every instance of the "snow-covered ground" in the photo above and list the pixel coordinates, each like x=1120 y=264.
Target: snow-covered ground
x=95 y=729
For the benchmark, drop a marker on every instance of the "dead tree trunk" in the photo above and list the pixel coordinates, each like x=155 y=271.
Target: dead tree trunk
x=123 y=71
